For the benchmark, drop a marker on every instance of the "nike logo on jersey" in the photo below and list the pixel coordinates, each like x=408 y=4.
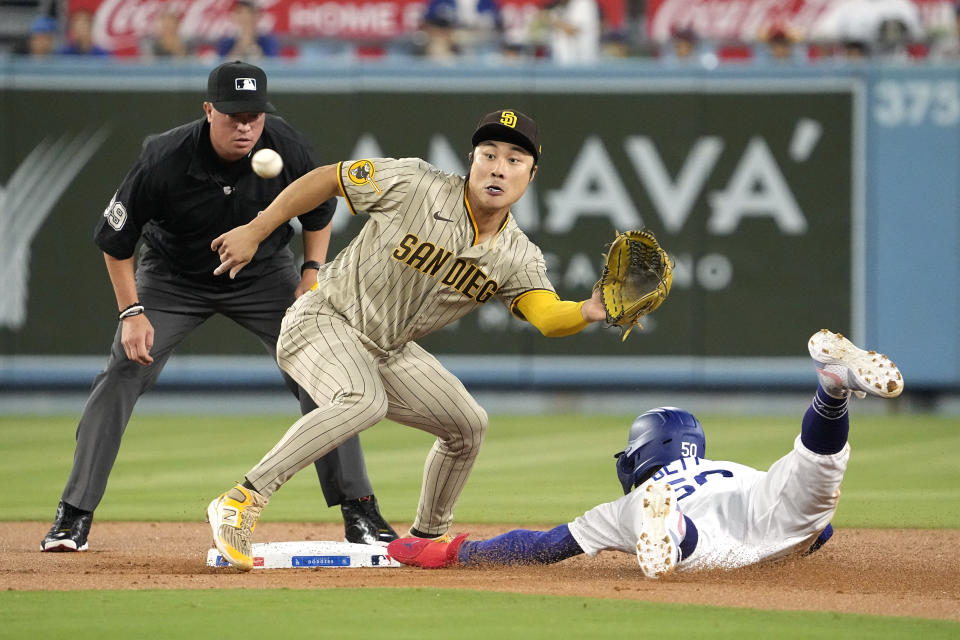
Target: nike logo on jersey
x=437 y=216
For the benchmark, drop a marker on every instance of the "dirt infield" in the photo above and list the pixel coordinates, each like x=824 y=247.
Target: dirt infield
x=879 y=572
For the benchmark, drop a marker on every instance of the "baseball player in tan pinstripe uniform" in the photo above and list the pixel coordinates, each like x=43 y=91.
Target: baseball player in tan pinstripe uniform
x=435 y=247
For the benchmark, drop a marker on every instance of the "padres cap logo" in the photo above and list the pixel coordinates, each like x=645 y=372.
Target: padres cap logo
x=509 y=125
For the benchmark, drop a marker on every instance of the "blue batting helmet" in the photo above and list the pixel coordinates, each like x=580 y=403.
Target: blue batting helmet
x=657 y=438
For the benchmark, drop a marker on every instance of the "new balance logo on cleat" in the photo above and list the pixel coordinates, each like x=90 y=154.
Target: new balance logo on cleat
x=229 y=516
x=233 y=517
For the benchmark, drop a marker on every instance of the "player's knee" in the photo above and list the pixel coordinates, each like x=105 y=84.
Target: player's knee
x=473 y=428
x=482 y=422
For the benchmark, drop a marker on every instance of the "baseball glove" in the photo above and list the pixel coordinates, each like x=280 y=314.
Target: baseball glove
x=636 y=279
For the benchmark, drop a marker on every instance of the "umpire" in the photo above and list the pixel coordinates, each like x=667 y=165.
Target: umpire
x=190 y=185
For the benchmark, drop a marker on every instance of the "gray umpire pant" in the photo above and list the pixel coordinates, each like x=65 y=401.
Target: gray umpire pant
x=175 y=308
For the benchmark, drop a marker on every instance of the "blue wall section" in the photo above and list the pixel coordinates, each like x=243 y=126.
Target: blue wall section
x=913 y=220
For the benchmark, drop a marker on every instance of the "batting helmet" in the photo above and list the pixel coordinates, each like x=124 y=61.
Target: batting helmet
x=657 y=438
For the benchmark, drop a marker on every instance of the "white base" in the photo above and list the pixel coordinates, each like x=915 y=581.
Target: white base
x=311 y=554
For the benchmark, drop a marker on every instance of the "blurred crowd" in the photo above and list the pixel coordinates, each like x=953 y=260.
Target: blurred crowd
x=567 y=32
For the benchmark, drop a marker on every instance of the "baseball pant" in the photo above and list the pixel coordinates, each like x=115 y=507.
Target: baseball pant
x=175 y=308
x=356 y=384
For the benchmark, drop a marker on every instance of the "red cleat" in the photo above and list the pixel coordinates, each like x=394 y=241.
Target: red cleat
x=424 y=553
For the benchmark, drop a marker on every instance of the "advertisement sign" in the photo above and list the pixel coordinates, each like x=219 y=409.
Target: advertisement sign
x=751 y=20
x=119 y=25
x=750 y=190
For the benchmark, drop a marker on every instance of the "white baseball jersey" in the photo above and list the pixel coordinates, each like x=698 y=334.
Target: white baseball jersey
x=743 y=516
x=416 y=265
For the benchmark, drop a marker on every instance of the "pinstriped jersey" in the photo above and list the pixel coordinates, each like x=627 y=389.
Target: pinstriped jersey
x=416 y=265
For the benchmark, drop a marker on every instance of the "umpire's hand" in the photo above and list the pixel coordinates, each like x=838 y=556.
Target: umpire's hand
x=136 y=336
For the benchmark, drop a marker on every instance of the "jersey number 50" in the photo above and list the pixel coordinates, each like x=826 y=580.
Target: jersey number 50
x=688 y=449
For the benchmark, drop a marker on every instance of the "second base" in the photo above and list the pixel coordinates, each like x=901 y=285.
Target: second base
x=311 y=553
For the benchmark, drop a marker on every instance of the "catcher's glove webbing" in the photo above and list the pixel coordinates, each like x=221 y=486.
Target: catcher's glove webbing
x=636 y=278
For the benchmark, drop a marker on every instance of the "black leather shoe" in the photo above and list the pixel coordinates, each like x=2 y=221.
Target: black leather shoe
x=363 y=524
x=70 y=529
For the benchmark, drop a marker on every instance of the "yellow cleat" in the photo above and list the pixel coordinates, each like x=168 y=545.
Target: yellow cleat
x=233 y=517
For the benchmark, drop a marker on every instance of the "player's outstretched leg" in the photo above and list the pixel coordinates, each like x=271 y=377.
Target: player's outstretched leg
x=232 y=518
x=843 y=367
x=517 y=547
x=658 y=549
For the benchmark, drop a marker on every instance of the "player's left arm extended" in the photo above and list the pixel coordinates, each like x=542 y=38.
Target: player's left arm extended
x=556 y=318
x=237 y=246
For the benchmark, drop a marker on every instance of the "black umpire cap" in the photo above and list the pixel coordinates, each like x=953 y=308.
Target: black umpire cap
x=238 y=87
x=509 y=125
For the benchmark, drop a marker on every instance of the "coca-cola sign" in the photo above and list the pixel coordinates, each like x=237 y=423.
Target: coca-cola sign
x=119 y=25
x=750 y=20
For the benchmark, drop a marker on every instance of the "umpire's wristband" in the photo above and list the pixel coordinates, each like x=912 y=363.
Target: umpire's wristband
x=133 y=310
x=309 y=264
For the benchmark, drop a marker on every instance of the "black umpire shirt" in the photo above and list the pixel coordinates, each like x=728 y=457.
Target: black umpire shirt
x=180 y=195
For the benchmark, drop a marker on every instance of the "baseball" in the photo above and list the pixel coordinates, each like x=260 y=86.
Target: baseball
x=266 y=163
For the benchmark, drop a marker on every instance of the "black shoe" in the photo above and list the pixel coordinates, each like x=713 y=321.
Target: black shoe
x=70 y=529
x=363 y=524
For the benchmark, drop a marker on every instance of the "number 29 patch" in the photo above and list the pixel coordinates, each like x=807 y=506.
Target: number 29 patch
x=115 y=213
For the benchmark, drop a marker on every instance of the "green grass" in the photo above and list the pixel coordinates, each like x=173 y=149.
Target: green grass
x=415 y=614
x=532 y=470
